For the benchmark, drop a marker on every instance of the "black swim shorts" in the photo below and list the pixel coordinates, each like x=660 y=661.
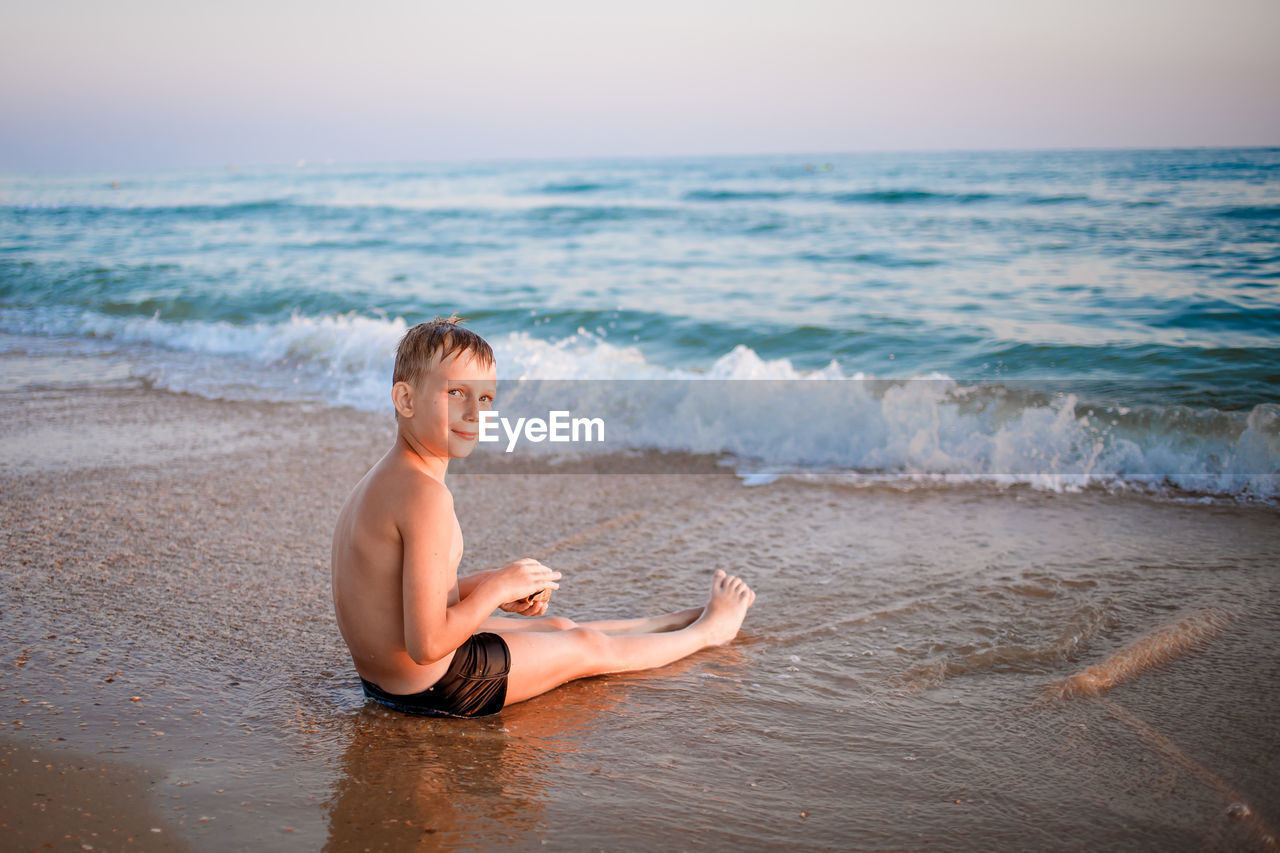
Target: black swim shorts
x=475 y=684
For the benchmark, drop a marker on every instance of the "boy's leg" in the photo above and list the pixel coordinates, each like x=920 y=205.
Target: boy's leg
x=646 y=625
x=543 y=660
x=519 y=625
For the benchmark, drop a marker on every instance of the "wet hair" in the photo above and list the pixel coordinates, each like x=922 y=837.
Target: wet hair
x=439 y=339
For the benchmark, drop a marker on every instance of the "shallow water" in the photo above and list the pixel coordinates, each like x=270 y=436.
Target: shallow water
x=891 y=689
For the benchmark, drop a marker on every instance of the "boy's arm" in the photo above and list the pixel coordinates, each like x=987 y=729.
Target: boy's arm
x=432 y=627
x=468 y=584
x=520 y=607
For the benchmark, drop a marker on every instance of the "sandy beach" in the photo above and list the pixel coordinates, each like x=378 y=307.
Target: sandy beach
x=174 y=678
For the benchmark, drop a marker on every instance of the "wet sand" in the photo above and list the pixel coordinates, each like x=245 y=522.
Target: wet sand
x=166 y=626
x=61 y=799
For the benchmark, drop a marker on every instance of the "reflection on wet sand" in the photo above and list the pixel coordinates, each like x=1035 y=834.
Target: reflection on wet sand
x=410 y=782
x=425 y=783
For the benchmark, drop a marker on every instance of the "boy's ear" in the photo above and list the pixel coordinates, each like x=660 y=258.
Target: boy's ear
x=402 y=399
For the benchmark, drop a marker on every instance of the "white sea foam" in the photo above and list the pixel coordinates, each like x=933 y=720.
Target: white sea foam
x=769 y=416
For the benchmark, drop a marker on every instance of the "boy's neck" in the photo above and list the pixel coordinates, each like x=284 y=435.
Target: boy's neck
x=432 y=465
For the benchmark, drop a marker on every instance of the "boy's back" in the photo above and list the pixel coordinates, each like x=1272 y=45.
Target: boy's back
x=367 y=563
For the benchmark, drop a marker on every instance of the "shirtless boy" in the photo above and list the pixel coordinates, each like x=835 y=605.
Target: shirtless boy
x=424 y=640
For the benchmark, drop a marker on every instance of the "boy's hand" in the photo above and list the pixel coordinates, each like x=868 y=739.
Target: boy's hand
x=528 y=586
x=534 y=605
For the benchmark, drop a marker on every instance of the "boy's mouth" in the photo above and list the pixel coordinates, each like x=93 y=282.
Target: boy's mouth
x=465 y=436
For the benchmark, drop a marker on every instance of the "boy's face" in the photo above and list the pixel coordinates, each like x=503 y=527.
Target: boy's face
x=446 y=404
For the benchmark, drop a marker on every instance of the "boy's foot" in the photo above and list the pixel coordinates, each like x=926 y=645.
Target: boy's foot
x=727 y=607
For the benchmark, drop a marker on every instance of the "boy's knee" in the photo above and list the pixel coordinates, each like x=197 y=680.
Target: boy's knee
x=559 y=623
x=593 y=641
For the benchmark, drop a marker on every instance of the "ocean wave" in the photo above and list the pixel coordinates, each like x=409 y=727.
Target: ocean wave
x=1220 y=315
x=422 y=211
x=910 y=196
x=569 y=214
x=224 y=210
x=767 y=417
x=432 y=207
x=574 y=187
x=1258 y=212
x=878 y=259
x=738 y=195
x=1066 y=198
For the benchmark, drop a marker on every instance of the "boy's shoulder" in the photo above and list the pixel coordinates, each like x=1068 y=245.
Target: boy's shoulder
x=408 y=485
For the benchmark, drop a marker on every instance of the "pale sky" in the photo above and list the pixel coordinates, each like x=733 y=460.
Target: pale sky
x=86 y=84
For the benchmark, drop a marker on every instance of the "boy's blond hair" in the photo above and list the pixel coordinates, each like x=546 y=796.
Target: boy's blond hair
x=439 y=339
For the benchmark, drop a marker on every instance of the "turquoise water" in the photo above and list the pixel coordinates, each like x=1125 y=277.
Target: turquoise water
x=1121 y=300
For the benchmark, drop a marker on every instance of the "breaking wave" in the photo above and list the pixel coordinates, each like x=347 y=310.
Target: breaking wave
x=765 y=416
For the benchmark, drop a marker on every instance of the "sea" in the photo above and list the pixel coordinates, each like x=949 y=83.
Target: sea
x=1065 y=320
